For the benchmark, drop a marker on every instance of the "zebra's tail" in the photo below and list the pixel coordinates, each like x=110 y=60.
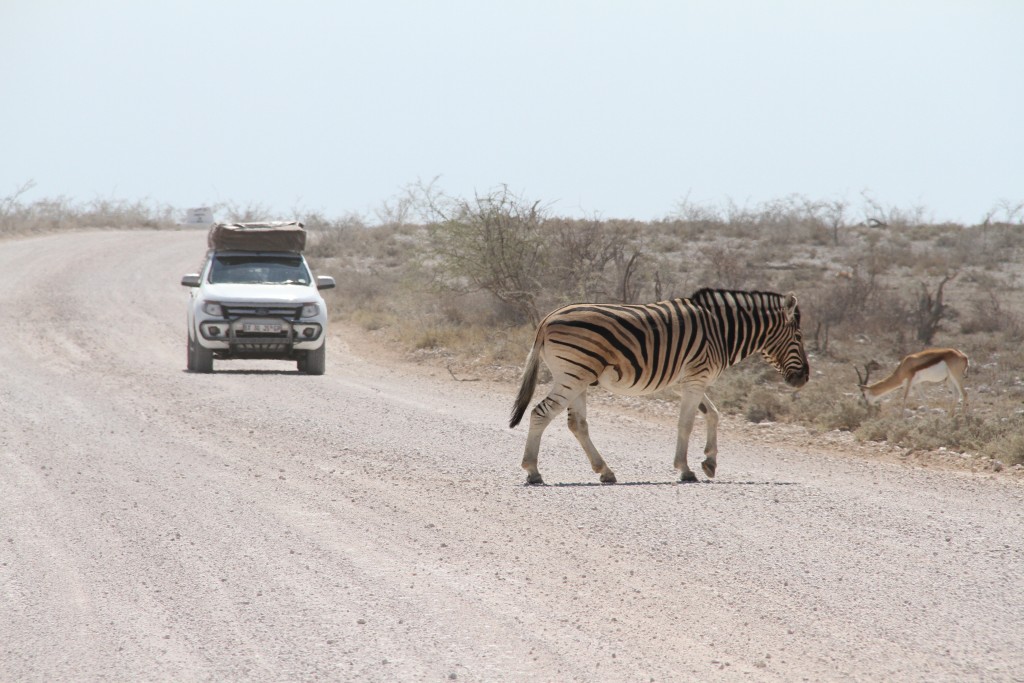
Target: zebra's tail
x=529 y=384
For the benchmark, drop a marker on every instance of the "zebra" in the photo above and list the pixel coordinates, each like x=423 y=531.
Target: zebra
x=640 y=349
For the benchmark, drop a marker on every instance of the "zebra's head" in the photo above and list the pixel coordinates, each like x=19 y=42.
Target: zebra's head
x=784 y=348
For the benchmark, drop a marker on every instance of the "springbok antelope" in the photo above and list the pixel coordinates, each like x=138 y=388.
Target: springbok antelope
x=928 y=366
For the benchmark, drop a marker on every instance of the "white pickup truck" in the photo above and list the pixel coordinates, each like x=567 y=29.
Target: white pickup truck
x=256 y=298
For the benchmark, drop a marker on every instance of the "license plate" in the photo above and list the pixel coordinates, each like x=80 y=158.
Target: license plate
x=265 y=328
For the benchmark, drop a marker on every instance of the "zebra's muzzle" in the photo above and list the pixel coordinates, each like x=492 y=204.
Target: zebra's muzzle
x=799 y=378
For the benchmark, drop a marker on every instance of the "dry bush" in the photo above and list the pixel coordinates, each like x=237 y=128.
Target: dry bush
x=693 y=222
x=531 y=262
x=765 y=405
x=725 y=267
x=594 y=260
x=988 y=316
x=51 y=214
x=865 y=290
x=931 y=310
x=934 y=430
x=840 y=301
x=787 y=221
x=859 y=288
x=749 y=386
x=329 y=238
x=494 y=243
x=251 y=212
x=842 y=415
x=1008 y=447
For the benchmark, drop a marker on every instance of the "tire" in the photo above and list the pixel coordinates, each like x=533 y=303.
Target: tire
x=315 y=362
x=199 y=359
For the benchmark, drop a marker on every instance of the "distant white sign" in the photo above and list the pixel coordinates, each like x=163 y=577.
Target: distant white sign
x=202 y=215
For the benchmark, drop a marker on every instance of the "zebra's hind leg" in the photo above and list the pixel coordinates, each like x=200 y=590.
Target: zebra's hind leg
x=578 y=426
x=540 y=418
x=711 y=416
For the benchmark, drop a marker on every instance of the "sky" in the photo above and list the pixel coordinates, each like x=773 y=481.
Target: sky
x=601 y=109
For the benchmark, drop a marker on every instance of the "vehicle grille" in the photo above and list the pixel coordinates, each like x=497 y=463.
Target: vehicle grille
x=260 y=348
x=242 y=334
x=240 y=310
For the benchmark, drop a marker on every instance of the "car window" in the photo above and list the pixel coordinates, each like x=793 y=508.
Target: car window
x=267 y=270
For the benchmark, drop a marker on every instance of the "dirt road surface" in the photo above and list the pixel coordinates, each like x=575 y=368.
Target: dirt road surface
x=372 y=524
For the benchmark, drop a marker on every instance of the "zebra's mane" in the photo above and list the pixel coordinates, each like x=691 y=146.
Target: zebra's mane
x=707 y=296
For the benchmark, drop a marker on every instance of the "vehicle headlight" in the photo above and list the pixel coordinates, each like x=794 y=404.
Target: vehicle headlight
x=210 y=308
x=310 y=310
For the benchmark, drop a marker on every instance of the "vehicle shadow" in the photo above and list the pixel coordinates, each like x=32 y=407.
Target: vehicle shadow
x=249 y=372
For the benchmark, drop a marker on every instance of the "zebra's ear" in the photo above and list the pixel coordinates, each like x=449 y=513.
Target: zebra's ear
x=789 y=306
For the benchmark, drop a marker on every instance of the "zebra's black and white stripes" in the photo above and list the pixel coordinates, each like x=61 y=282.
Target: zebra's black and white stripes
x=640 y=349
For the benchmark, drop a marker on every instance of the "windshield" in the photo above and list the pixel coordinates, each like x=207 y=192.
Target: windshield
x=259 y=269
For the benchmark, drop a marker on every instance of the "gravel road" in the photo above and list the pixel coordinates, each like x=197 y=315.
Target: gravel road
x=371 y=524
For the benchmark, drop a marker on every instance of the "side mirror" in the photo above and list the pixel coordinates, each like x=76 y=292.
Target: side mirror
x=322 y=282
x=190 y=280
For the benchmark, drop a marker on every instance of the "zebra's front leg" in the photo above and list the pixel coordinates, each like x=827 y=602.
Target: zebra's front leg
x=540 y=418
x=712 y=416
x=578 y=426
x=688 y=402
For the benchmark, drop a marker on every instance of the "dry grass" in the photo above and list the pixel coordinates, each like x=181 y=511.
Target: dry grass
x=50 y=215
x=858 y=287
x=865 y=286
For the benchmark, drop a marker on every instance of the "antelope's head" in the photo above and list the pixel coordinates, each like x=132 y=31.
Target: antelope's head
x=866 y=395
x=784 y=349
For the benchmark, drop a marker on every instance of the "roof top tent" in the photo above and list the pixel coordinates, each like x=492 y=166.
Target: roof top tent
x=271 y=236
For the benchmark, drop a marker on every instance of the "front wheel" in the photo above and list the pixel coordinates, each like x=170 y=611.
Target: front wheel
x=200 y=359
x=315 y=362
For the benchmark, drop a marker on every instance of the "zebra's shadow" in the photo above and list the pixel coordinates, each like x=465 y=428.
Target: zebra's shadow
x=582 y=484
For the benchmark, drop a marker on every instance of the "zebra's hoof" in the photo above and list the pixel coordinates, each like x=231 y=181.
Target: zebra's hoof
x=709 y=467
x=687 y=476
x=534 y=479
x=608 y=477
